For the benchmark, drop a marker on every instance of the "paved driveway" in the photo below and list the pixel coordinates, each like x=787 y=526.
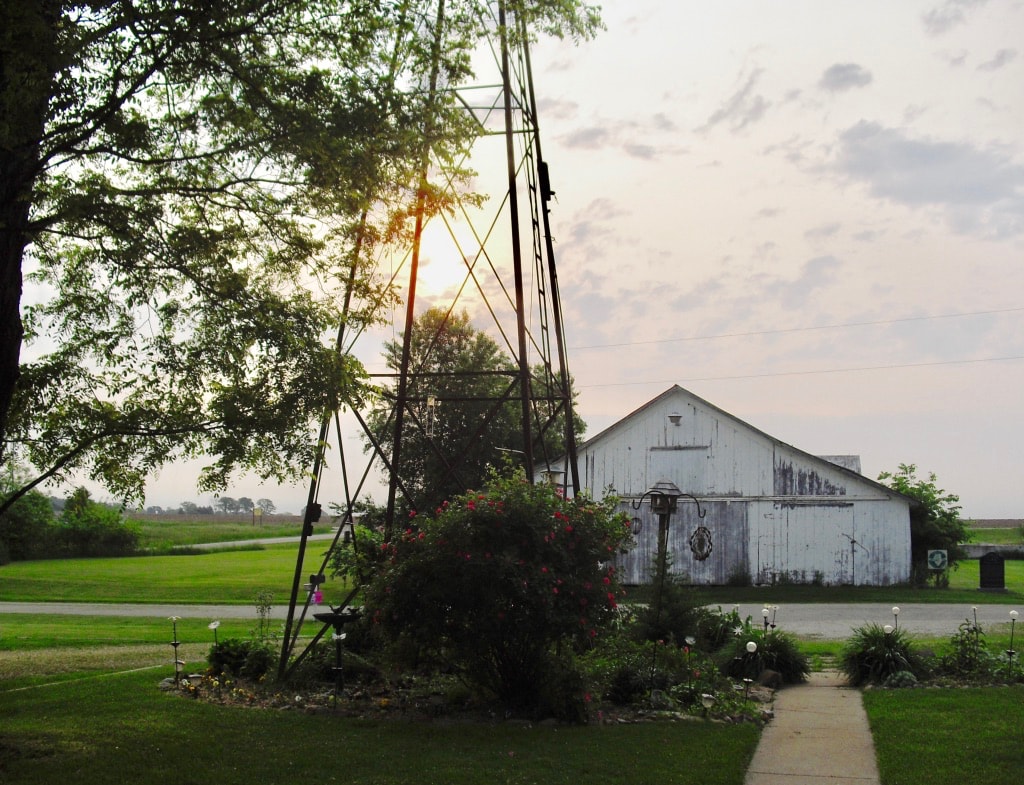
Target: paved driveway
x=826 y=621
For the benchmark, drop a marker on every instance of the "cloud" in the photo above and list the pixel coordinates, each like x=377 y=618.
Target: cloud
x=643 y=151
x=823 y=231
x=844 y=76
x=744 y=107
x=1001 y=58
x=982 y=190
x=950 y=14
x=591 y=138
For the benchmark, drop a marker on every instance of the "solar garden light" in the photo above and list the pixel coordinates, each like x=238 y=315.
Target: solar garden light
x=747 y=681
x=707 y=701
x=213 y=625
x=175 y=643
x=1010 y=652
x=766 y=611
x=896 y=616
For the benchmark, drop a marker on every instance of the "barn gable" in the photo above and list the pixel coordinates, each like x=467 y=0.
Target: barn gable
x=771 y=512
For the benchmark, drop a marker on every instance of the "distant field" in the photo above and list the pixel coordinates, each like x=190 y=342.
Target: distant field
x=164 y=531
x=1000 y=536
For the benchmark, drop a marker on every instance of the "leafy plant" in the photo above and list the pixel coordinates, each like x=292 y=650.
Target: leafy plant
x=873 y=654
x=26 y=528
x=247 y=658
x=499 y=581
x=777 y=651
x=935 y=523
x=673 y=615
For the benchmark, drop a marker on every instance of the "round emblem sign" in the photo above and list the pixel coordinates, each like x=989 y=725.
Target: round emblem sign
x=700 y=543
x=938 y=560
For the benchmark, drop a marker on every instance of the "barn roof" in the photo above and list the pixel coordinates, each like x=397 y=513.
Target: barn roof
x=675 y=391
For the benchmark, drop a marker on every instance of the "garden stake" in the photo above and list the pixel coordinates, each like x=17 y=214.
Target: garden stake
x=1010 y=652
x=175 y=644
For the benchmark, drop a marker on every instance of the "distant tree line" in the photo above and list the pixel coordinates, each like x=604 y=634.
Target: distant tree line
x=32 y=529
x=224 y=504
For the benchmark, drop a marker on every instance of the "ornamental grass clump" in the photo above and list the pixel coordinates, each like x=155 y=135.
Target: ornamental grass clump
x=503 y=586
x=777 y=651
x=873 y=654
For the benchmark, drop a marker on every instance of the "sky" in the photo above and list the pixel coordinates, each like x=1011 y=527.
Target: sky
x=810 y=214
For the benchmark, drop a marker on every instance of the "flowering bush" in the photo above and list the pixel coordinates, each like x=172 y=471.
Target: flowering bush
x=502 y=585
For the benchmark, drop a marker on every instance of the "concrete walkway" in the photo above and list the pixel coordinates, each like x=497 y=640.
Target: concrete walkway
x=819 y=735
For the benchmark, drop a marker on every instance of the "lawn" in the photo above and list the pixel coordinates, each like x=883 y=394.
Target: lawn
x=948 y=737
x=133 y=733
x=234 y=577
x=221 y=577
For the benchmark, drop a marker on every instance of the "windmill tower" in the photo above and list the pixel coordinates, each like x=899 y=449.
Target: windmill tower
x=504 y=254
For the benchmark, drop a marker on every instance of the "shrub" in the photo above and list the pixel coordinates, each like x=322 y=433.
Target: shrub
x=496 y=581
x=675 y=617
x=234 y=657
x=777 y=651
x=716 y=628
x=968 y=658
x=87 y=528
x=872 y=655
x=26 y=528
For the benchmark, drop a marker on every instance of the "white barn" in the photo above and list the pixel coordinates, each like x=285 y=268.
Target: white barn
x=772 y=513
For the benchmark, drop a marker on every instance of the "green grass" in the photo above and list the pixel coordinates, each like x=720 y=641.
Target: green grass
x=221 y=577
x=27 y=632
x=234 y=577
x=948 y=737
x=997 y=536
x=963 y=589
x=169 y=531
x=133 y=733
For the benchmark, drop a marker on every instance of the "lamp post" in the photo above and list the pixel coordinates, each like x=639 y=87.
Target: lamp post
x=895 y=617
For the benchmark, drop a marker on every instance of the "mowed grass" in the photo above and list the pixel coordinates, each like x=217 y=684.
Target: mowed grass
x=133 y=733
x=234 y=577
x=217 y=577
x=948 y=737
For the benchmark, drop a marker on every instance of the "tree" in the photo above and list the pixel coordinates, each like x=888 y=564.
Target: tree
x=192 y=182
x=502 y=585
x=462 y=419
x=89 y=528
x=26 y=528
x=245 y=504
x=188 y=508
x=227 y=504
x=935 y=522
x=267 y=506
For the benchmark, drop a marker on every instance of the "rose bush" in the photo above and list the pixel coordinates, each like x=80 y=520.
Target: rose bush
x=504 y=586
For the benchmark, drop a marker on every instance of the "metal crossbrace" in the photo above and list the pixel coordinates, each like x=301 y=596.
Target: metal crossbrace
x=544 y=401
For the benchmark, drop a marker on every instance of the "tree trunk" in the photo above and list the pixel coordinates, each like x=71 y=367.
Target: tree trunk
x=28 y=63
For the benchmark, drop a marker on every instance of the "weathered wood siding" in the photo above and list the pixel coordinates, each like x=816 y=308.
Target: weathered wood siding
x=774 y=513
